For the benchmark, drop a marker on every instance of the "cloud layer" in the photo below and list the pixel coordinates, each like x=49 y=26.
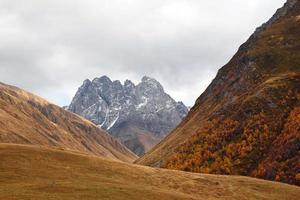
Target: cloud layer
x=49 y=47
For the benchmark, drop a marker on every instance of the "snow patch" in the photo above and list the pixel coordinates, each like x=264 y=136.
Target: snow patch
x=90 y=110
x=101 y=125
x=145 y=101
x=113 y=123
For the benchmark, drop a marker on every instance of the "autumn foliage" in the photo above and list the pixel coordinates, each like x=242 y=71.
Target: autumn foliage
x=262 y=143
x=247 y=120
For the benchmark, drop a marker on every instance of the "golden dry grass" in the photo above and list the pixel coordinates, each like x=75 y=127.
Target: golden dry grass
x=28 y=172
x=29 y=119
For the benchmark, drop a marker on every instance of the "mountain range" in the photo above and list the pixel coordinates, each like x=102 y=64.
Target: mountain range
x=244 y=128
x=247 y=122
x=138 y=115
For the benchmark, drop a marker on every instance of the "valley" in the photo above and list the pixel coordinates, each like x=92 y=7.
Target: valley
x=126 y=141
x=30 y=172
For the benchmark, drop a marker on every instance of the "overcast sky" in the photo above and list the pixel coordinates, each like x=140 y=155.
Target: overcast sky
x=50 y=46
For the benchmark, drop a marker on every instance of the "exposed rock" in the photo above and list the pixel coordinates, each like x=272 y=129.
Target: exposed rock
x=144 y=107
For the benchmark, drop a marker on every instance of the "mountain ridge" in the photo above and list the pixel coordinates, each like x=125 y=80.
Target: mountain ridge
x=246 y=121
x=144 y=108
x=28 y=119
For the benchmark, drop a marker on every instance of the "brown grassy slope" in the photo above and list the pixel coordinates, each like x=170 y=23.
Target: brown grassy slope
x=247 y=121
x=28 y=172
x=28 y=119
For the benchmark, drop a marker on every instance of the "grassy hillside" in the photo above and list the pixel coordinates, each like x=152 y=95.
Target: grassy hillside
x=247 y=121
x=28 y=172
x=28 y=119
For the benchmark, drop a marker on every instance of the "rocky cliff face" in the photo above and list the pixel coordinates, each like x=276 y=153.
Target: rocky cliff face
x=139 y=115
x=247 y=121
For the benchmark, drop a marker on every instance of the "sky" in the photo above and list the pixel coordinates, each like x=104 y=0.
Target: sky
x=50 y=47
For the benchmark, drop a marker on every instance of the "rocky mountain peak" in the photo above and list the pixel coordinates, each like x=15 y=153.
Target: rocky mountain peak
x=279 y=13
x=103 y=80
x=128 y=83
x=152 y=83
x=144 y=107
x=117 y=84
x=87 y=82
x=147 y=78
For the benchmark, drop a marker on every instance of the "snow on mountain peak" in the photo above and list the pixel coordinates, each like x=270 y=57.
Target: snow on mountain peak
x=109 y=104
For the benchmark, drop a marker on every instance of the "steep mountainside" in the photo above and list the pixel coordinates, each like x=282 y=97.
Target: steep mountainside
x=28 y=119
x=138 y=115
x=33 y=173
x=247 y=122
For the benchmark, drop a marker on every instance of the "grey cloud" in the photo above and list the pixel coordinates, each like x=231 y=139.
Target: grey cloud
x=49 y=47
